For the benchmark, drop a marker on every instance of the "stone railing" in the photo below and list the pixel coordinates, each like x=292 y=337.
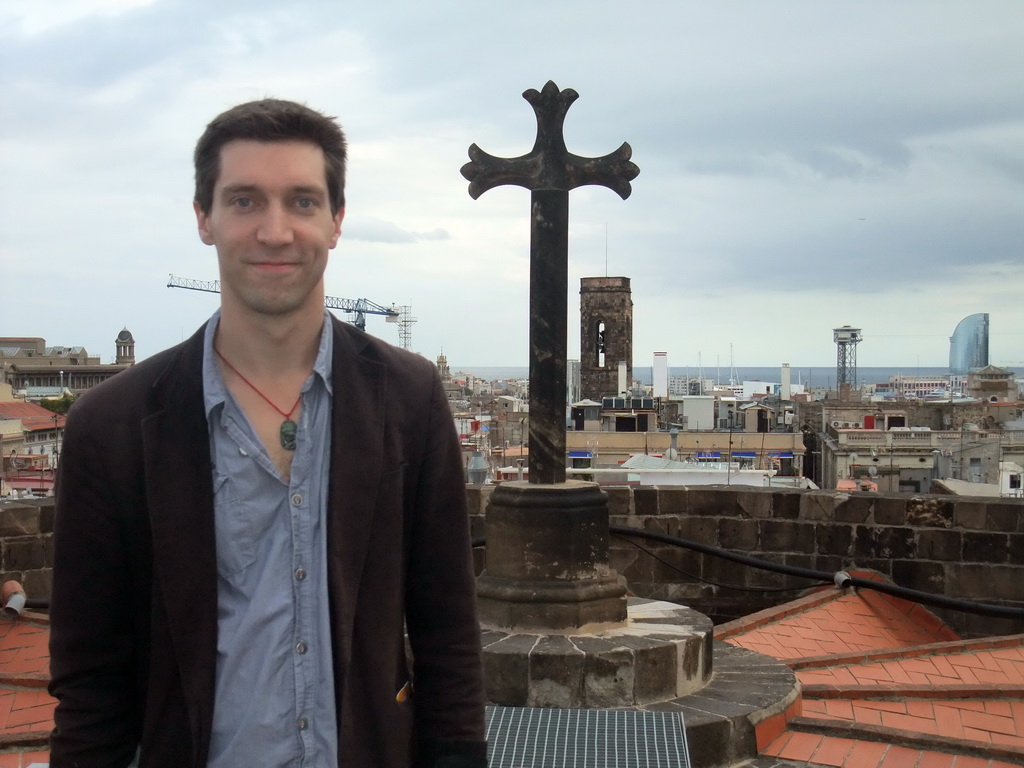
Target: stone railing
x=962 y=547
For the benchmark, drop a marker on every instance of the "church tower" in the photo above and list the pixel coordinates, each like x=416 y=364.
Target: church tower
x=125 y=344
x=606 y=335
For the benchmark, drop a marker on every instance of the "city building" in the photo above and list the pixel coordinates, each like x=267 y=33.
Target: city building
x=968 y=346
x=27 y=363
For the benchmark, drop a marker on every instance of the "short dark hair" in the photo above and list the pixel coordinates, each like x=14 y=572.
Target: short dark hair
x=270 y=120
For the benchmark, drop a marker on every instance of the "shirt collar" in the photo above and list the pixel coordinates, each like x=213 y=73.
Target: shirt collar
x=214 y=391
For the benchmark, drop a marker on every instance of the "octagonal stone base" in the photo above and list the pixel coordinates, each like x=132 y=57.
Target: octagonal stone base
x=662 y=652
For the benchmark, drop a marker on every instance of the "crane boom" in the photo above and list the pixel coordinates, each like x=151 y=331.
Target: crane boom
x=358 y=307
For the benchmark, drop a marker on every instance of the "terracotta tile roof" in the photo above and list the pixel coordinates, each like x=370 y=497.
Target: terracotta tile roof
x=26 y=709
x=885 y=683
x=33 y=417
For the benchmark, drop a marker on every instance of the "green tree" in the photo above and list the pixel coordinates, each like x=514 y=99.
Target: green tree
x=59 y=405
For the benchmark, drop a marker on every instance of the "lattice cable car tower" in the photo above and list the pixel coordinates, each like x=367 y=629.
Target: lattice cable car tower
x=358 y=308
x=846 y=339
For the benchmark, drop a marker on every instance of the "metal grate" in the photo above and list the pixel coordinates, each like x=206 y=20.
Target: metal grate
x=526 y=737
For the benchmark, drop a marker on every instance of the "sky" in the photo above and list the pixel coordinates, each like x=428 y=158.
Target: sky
x=803 y=166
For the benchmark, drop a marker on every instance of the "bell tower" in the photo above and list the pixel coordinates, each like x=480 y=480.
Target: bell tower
x=606 y=335
x=125 y=344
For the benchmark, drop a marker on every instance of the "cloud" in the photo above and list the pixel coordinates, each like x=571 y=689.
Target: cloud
x=375 y=230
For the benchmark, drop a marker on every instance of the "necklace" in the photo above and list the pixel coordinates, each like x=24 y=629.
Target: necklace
x=288 y=427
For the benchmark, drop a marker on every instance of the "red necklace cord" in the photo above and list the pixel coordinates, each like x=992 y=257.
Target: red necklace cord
x=255 y=389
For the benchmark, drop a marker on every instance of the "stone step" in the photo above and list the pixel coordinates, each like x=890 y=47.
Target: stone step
x=743 y=707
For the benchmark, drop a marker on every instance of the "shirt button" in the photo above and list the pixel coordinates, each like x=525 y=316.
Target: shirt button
x=297 y=499
x=300 y=648
x=303 y=724
x=300 y=574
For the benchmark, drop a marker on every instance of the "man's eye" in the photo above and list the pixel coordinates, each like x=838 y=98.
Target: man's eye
x=242 y=202
x=306 y=202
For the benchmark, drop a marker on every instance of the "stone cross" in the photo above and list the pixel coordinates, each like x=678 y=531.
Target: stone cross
x=549 y=171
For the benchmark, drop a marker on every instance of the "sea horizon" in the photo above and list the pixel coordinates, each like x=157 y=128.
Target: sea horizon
x=810 y=376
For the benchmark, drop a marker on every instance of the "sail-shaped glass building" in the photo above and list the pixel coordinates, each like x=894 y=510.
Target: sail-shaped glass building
x=968 y=346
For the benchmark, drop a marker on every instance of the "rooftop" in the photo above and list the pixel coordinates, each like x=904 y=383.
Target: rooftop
x=882 y=683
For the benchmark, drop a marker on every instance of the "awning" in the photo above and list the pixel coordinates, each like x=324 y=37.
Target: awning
x=581 y=454
x=745 y=454
x=709 y=455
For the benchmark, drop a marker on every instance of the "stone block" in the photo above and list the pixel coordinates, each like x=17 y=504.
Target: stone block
x=798 y=560
x=971 y=515
x=722 y=571
x=986 y=582
x=38 y=584
x=786 y=536
x=834 y=539
x=786 y=504
x=608 y=679
x=927 y=577
x=872 y=541
x=674 y=564
x=672 y=500
x=668 y=525
x=26 y=553
x=619 y=501
x=1004 y=515
x=713 y=501
x=756 y=503
x=889 y=510
x=46 y=514
x=740 y=535
x=939 y=545
x=830 y=563
x=645 y=501
x=655 y=670
x=818 y=505
x=19 y=519
x=507 y=670
x=1015 y=551
x=853 y=508
x=930 y=512
x=556 y=673
x=475 y=499
x=700 y=529
x=986 y=547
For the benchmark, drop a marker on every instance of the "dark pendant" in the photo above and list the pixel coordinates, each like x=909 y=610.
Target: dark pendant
x=288 y=430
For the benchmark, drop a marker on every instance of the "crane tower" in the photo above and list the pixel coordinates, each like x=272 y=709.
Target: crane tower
x=358 y=308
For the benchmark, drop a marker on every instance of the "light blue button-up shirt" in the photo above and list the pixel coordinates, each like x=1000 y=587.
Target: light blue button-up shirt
x=274 y=700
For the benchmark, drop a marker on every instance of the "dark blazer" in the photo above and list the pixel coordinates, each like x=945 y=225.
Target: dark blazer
x=134 y=603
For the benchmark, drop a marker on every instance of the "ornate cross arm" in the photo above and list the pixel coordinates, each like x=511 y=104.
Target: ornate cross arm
x=549 y=165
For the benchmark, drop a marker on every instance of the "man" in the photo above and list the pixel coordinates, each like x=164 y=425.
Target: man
x=248 y=523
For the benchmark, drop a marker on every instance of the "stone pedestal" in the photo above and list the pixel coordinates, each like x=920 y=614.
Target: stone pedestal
x=547 y=559
x=558 y=631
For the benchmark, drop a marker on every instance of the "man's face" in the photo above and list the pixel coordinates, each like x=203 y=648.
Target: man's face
x=272 y=225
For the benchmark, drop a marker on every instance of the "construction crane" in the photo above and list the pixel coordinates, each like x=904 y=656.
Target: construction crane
x=357 y=307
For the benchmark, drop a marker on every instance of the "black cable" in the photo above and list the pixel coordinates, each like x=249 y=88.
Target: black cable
x=841 y=578
x=695 y=577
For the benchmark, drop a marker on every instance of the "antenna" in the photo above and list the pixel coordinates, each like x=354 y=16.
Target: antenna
x=606 y=249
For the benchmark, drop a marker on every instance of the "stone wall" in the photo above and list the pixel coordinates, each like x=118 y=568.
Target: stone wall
x=964 y=547
x=970 y=548
x=26 y=528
